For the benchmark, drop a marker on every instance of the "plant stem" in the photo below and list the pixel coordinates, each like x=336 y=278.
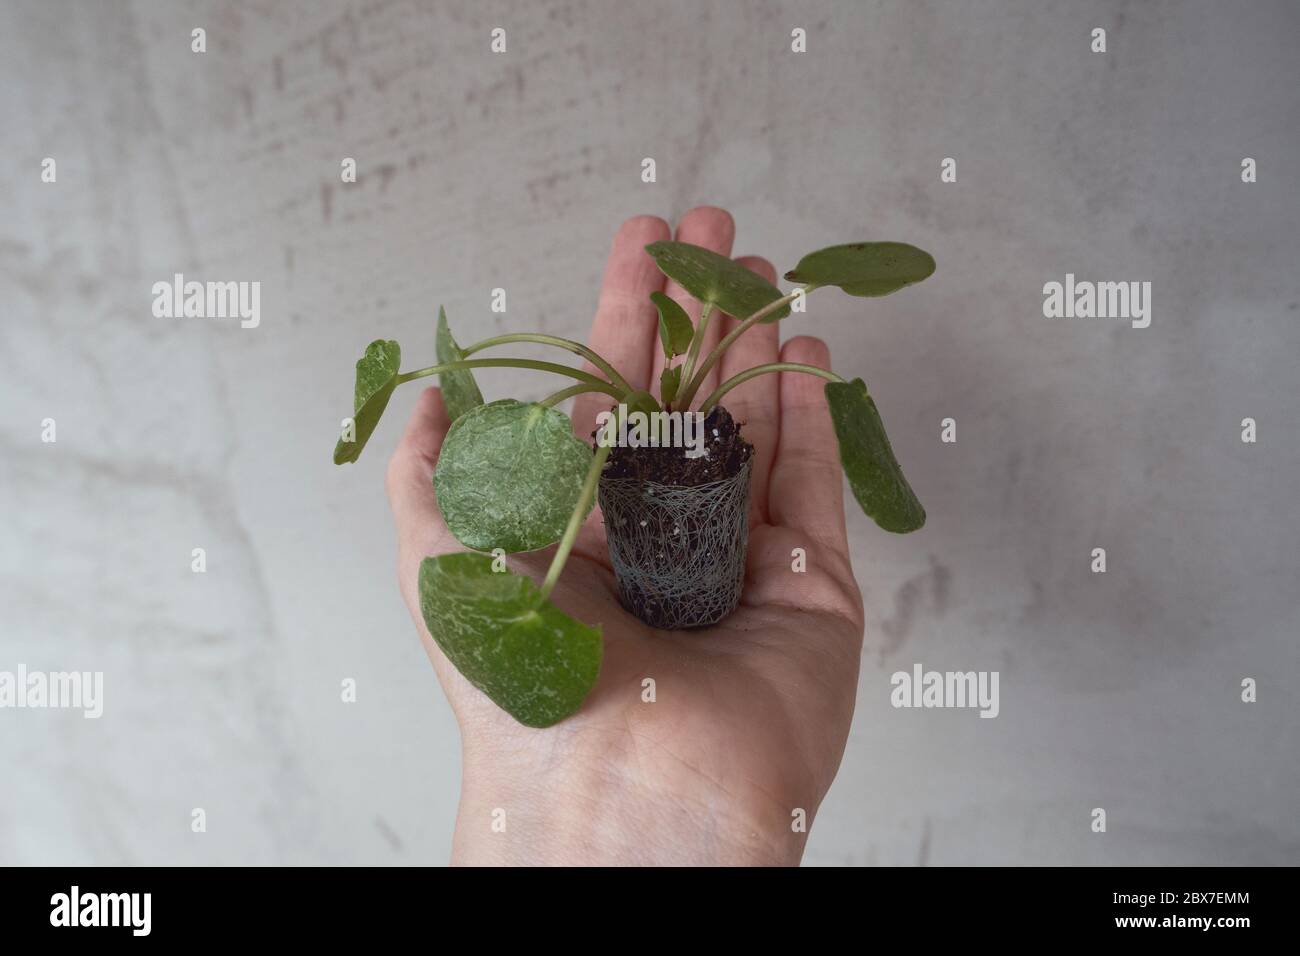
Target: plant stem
x=698 y=378
x=758 y=370
x=577 y=348
x=580 y=375
x=693 y=350
x=556 y=397
x=576 y=519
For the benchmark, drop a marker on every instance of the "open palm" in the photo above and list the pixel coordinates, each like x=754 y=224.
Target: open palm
x=745 y=722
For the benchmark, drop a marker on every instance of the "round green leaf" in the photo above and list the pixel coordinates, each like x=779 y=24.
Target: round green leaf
x=533 y=660
x=864 y=268
x=868 y=459
x=714 y=278
x=509 y=475
x=376 y=379
x=460 y=392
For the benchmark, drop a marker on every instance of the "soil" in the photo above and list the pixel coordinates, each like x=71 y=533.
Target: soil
x=725 y=451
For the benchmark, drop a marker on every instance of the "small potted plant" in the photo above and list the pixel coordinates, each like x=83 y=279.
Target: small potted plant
x=671 y=472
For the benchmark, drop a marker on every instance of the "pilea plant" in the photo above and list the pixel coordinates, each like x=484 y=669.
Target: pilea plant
x=513 y=477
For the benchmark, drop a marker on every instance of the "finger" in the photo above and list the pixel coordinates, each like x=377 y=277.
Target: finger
x=714 y=229
x=755 y=404
x=420 y=529
x=626 y=328
x=805 y=490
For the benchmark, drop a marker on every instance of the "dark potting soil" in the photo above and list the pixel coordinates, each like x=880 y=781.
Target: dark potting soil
x=725 y=451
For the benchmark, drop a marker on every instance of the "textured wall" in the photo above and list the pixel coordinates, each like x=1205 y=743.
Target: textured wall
x=1119 y=690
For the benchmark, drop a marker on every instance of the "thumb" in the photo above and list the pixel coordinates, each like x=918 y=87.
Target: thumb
x=421 y=533
x=420 y=528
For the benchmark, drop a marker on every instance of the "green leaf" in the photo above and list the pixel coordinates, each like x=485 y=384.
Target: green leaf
x=714 y=278
x=675 y=328
x=864 y=268
x=376 y=379
x=533 y=660
x=868 y=460
x=669 y=381
x=459 y=390
x=645 y=403
x=509 y=475
x=641 y=401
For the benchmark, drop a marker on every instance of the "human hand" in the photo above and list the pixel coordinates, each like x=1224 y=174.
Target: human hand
x=751 y=715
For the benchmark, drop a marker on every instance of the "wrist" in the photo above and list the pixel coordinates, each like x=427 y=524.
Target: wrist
x=571 y=811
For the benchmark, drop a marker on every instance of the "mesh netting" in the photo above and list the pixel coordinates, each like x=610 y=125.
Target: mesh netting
x=678 y=551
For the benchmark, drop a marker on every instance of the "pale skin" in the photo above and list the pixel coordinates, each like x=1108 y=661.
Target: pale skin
x=751 y=715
